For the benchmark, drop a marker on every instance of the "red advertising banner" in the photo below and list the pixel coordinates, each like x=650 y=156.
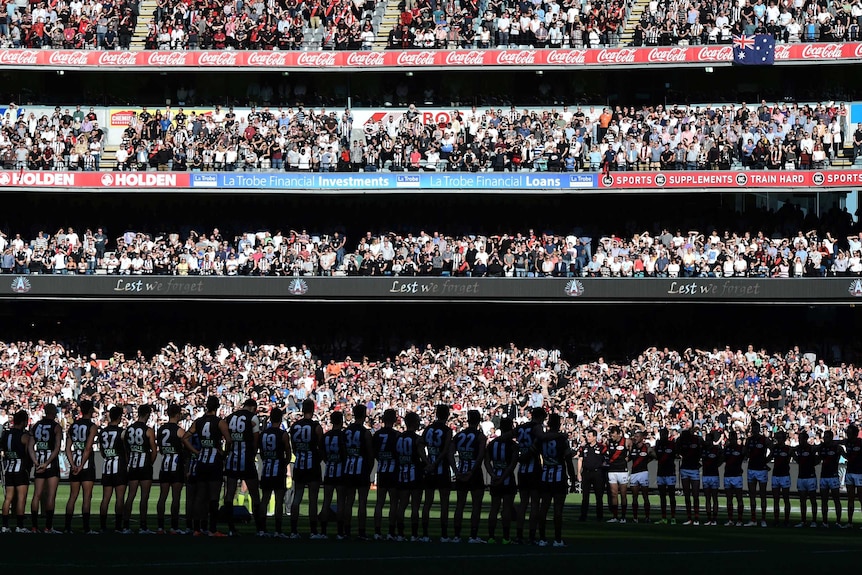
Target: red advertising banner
x=103 y=180
x=731 y=179
x=221 y=59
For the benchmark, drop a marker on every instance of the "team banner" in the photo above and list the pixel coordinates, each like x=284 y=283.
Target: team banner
x=223 y=59
x=615 y=290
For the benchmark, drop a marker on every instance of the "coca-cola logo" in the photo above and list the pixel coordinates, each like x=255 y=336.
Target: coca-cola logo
x=68 y=58
x=167 y=59
x=624 y=56
x=117 y=58
x=269 y=59
x=217 y=59
x=567 y=57
x=666 y=55
x=782 y=52
x=822 y=51
x=519 y=58
x=424 y=58
x=471 y=58
x=316 y=59
x=365 y=59
x=19 y=57
x=719 y=54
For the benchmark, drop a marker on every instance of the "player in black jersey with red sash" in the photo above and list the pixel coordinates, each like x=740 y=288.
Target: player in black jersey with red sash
x=641 y=454
x=781 y=455
x=665 y=449
x=18 y=456
x=306 y=441
x=465 y=458
x=806 y=457
x=241 y=430
x=115 y=469
x=712 y=458
x=853 y=478
x=690 y=448
x=141 y=443
x=172 y=472
x=734 y=456
x=82 y=473
x=411 y=462
x=829 y=452
x=557 y=468
x=437 y=438
x=501 y=457
x=47 y=437
x=384 y=441
x=757 y=449
x=529 y=470
x=618 y=473
x=209 y=465
x=275 y=453
x=357 y=470
x=334 y=479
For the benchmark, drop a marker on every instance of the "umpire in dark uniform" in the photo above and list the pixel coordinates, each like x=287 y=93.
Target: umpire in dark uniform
x=592 y=462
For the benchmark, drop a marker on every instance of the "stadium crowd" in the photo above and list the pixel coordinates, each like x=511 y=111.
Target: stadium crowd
x=764 y=136
x=298 y=253
x=703 y=407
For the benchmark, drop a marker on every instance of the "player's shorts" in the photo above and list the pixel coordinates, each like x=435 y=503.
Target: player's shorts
x=709 y=482
x=529 y=482
x=734 y=482
x=171 y=477
x=115 y=479
x=313 y=475
x=758 y=475
x=208 y=474
x=337 y=481
x=781 y=482
x=476 y=482
x=691 y=474
x=806 y=485
x=387 y=481
x=438 y=481
x=141 y=474
x=854 y=479
x=358 y=481
x=666 y=480
x=53 y=470
x=245 y=474
x=502 y=490
x=84 y=476
x=17 y=479
x=829 y=483
x=618 y=477
x=278 y=483
x=553 y=488
x=639 y=479
x=408 y=485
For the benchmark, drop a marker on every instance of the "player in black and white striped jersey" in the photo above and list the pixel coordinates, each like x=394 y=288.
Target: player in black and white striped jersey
x=306 y=439
x=241 y=430
x=357 y=469
x=209 y=467
x=334 y=478
x=172 y=471
x=17 y=447
x=384 y=441
x=141 y=441
x=82 y=475
x=275 y=453
x=115 y=469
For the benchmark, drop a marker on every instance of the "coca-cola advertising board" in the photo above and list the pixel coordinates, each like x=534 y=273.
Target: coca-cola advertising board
x=530 y=58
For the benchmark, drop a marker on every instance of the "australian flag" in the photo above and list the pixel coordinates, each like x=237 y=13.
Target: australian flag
x=757 y=50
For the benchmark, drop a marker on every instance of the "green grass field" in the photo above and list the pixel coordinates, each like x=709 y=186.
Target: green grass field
x=639 y=548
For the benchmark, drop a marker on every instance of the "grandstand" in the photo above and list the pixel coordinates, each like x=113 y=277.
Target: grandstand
x=586 y=207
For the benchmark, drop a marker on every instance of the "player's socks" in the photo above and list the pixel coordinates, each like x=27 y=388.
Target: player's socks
x=213 y=516
x=119 y=525
x=19 y=521
x=5 y=522
x=49 y=520
x=34 y=520
x=103 y=522
x=68 y=523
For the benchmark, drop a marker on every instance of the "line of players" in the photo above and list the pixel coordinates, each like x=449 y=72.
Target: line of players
x=700 y=459
x=412 y=468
